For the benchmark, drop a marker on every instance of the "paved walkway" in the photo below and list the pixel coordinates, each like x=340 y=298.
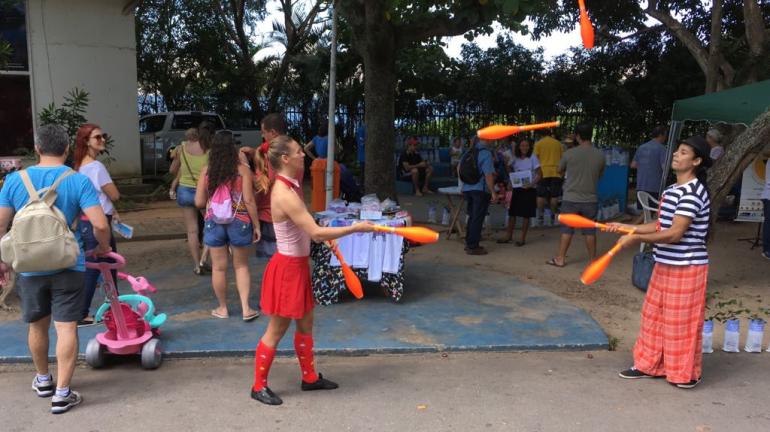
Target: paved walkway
x=506 y=392
x=456 y=309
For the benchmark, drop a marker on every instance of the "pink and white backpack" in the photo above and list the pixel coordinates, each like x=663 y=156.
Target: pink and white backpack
x=221 y=208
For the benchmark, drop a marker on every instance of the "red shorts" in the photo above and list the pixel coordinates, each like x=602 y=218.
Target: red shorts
x=286 y=290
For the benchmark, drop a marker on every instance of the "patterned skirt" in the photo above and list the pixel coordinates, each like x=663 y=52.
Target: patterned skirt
x=670 y=337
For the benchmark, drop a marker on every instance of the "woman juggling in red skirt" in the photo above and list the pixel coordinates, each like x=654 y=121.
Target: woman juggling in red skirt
x=286 y=291
x=669 y=342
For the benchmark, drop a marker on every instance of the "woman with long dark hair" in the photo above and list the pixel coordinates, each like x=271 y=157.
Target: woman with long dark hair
x=225 y=191
x=90 y=142
x=669 y=342
x=524 y=195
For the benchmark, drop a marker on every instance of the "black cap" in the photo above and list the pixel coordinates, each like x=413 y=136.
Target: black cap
x=701 y=148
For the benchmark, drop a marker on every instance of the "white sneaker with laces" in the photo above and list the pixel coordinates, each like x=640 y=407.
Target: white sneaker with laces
x=62 y=404
x=43 y=388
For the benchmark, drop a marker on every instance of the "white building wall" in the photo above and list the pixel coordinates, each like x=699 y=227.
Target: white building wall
x=89 y=44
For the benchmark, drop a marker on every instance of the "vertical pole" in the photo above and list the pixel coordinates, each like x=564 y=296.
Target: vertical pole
x=332 y=105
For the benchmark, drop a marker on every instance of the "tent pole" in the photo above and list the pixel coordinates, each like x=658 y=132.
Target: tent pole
x=673 y=137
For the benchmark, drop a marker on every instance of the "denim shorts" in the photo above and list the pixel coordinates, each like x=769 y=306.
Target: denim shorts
x=185 y=196
x=588 y=210
x=237 y=233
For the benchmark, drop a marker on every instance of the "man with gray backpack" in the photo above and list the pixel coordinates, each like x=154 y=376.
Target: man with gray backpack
x=44 y=202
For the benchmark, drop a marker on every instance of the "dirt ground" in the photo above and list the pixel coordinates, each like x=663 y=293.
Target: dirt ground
x=735 y=270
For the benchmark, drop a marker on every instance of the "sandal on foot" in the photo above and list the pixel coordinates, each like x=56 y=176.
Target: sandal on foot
x=520 y=243
x=553 y=262
x=504 y=241
x=216 y=314
x=251 y=316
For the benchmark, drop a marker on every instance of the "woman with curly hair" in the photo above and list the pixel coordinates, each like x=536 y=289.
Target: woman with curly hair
x=225 y=191
x=90 y=142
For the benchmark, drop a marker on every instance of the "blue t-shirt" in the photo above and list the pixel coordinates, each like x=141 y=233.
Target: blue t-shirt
x=485 y=166
x=73 y=194
x=650 y=158
x=321 y=145
x=360 y=142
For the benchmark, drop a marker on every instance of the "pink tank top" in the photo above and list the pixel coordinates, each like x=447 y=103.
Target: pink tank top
x=290 y=239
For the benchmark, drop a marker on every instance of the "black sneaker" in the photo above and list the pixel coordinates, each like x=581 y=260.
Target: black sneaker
x=62 y=404
x=43 y=389
x=266 y=396
x=689 y=385
x=320 y=384
x=634 y=373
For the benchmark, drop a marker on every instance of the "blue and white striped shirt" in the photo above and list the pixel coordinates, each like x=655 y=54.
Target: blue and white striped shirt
x=690 y=200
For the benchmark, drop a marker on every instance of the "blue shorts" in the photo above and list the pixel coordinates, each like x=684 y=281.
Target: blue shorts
x=185 y=196
x=237 y=234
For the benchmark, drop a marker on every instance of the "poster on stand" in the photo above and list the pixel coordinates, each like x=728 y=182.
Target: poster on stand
x=750 y=206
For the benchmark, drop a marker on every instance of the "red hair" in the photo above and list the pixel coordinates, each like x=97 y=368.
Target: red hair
x=81 y=143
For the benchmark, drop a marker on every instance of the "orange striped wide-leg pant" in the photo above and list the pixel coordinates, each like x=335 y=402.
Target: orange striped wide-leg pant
x=670 y=338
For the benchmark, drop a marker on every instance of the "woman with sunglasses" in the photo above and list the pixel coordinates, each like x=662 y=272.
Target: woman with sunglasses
x=90 y=142
x=286 y=292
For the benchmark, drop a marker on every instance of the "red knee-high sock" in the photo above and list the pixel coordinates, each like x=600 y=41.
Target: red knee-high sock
x=262 y=361
x=303 y=345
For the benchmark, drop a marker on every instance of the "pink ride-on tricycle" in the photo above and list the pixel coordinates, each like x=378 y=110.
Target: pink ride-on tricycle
x=132 y=326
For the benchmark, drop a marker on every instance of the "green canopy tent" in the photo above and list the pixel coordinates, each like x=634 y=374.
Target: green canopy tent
x=740 y=105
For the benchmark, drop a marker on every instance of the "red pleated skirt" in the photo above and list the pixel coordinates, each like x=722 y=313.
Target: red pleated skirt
x=286 y=290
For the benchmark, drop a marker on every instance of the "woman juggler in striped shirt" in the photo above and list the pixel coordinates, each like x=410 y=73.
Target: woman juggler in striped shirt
x=669 y=342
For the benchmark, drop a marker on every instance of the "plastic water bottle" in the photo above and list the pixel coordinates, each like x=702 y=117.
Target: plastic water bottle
x=445 y=216
x=547 y=218
x=432 y=214
x=708 y=337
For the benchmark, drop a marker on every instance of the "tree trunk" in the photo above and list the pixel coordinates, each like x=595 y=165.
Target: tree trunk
x=742 y=152
x=713 y=78
x=379 y=54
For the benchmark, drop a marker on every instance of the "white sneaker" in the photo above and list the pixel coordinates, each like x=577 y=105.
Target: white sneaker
x=62 y=404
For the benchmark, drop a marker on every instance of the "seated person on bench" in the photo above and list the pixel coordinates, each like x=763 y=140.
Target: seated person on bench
x=412 y=167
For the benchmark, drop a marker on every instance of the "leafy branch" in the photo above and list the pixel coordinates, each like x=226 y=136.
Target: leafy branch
x=71 y=115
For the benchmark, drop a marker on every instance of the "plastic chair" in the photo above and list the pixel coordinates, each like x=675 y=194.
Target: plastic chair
x=649 y=209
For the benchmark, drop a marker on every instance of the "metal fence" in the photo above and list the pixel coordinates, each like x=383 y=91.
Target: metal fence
x=446 y=121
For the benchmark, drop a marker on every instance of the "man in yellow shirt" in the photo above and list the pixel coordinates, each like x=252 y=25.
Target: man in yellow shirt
x=549 y=151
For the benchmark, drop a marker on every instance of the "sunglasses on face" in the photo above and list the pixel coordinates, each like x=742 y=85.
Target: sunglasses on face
x=101 y=137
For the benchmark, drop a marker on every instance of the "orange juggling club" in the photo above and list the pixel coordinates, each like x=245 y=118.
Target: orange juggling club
x=594 y=271
x=577 y=221
x=415 y=234
x=351 y=280
x=501 y=131
x=586 y=29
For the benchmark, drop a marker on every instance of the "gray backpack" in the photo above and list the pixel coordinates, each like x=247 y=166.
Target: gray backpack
x=40 y=238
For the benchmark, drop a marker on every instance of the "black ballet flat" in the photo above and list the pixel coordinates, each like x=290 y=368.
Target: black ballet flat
x=266 y=396
x=320 y=384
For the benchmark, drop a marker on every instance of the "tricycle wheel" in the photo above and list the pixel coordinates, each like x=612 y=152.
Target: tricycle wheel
x=95 y=354
x=152 y=354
